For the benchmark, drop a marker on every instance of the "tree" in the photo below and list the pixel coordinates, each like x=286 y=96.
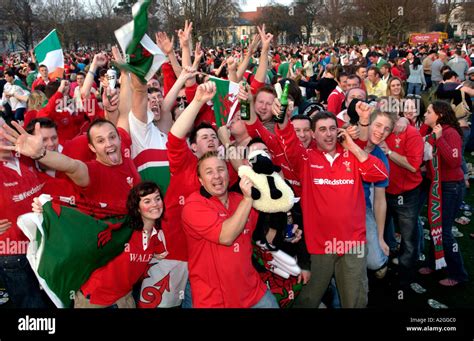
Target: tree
x=390 y=21
x=334 y=15
x=18 y=14
x=447 y=8
x=278 y=21
x=307 y=12
x=104 y=8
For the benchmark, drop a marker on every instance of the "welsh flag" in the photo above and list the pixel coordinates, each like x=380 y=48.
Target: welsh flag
x=225 y=100
x=50 y=53
x=142 y=56
x=66 y=246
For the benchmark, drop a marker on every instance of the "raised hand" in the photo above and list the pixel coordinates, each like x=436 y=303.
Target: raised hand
x=364 y=110
x=23 y=143
x=188 y=73
x=100 y=60
x=254 y=44
x=117 y=55
x=265 y=37
x=111 y=100
x=198 y=54
x=205 y=92
x=185 y=35
x=231 y=63
x=164 y=42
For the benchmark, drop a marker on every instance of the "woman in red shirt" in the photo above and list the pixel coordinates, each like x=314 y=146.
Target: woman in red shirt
x=112 y=284
x=445 y=167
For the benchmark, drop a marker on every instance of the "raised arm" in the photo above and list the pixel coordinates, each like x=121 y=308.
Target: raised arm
x=245 y=63
x=32 y=146
x=185 y=121
x=184 y=41
x=125 y=103
x=166 y=120
x=263 y=61
x=166 y=45
x=99 y=60
x=232 y=69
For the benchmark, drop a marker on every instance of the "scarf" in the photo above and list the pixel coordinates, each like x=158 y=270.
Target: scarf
x=435 y=208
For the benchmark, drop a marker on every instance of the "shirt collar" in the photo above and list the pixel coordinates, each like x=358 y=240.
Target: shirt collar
x=205 y=193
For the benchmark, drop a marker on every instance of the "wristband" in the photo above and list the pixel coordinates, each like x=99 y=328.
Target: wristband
x=389 y=152
x=364 y=125
x=92 y=73
x=43 y=154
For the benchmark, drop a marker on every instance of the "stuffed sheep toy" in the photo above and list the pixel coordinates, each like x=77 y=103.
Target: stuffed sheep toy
x=271 y=194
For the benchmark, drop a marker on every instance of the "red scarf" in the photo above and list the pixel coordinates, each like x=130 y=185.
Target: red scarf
x=435 y=207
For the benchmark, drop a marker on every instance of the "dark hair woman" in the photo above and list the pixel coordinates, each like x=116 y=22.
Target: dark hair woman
x=447 y=181
x=112 y=284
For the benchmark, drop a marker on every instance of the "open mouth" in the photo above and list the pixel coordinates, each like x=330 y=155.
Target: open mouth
x=218 y=186
x=113 y=156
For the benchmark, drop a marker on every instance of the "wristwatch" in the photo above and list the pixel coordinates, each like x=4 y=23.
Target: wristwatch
x=389 y=152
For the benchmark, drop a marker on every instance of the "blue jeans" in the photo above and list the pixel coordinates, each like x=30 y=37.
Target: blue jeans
x=451 y=200
x=268 y=301
x=414 y=88
x=428 y=80
x=188 y=299
x=21 y=283
x=403 y=209
x=389 y=235
x=375 y=256
x=19 y=114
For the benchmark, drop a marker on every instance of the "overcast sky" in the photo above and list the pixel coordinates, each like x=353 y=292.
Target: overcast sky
x=252 y=4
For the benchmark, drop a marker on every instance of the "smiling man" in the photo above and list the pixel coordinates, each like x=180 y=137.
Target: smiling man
x=107 y=179
x=218 y=225
x=333 y=207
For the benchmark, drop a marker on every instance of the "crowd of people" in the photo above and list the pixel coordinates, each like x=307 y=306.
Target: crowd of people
x=371 y=135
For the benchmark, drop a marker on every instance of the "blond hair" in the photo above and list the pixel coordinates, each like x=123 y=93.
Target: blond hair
x=36 y=100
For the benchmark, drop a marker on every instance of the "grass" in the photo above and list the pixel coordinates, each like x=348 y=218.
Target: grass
x=458 y=297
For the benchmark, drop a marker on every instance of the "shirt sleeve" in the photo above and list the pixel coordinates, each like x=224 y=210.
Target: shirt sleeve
x=384 y=183
x=169 y=78
x=373 y=170
x=50 y=109
x=255 y=85
x=294 y=151
x=415 y=147
x=201 y=221
x=449 y=146
x=179 y=154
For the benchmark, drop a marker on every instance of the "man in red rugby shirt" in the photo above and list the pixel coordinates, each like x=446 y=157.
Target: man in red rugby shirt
x=218 y=227
x=333 y=208
x=18 y=187
x=107 y=179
